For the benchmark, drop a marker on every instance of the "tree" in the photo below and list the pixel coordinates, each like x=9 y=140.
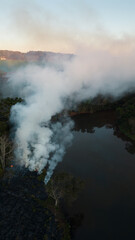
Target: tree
x=54 y=191
x=6 y=150
x=64 y=186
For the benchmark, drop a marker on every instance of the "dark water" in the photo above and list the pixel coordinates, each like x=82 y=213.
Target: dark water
x=107 y=203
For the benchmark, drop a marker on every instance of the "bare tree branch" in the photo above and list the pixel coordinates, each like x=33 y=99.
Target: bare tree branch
x=6 y=150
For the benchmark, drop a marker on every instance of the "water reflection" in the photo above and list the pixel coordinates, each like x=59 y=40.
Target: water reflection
x=87 y=123
x=106 y=163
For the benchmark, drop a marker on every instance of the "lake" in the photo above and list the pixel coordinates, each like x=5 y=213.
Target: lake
x=106 y=207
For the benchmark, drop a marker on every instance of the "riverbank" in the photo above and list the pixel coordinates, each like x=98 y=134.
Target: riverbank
x=30 y=189
x=124 y=109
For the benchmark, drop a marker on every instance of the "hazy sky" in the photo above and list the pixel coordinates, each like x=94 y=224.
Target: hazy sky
x=62 y=26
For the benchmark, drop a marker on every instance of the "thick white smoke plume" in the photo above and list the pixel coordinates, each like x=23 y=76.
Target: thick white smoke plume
x=46 y=89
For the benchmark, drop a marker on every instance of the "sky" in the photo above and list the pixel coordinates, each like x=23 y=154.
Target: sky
x=64 y=26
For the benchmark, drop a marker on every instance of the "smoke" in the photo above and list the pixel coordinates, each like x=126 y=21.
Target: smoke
x=41 y=26
x=46 y=90
x=62 y=139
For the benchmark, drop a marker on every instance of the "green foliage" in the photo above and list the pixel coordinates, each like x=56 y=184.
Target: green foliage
x=85 y=106
x=124 y=107
x=126 y=118
x=126 y=130
x=99 y=103
x=126 y=111
x=5 y=106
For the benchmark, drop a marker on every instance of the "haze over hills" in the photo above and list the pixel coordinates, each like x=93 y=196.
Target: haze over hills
x=32 y=55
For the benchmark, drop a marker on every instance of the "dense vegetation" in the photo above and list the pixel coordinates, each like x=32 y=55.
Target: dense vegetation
x=124 y=108
x=5 y=106
x=6 y=145
x=47 y=205
x=126 y=118
x=63 y=189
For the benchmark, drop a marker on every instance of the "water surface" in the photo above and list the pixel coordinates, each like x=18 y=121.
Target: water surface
x=100 y=158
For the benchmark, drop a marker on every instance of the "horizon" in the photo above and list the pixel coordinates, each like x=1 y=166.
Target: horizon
x=35 y=51
x=64 y=27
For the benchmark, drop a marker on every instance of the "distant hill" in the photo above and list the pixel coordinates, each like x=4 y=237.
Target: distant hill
x=32 y=55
